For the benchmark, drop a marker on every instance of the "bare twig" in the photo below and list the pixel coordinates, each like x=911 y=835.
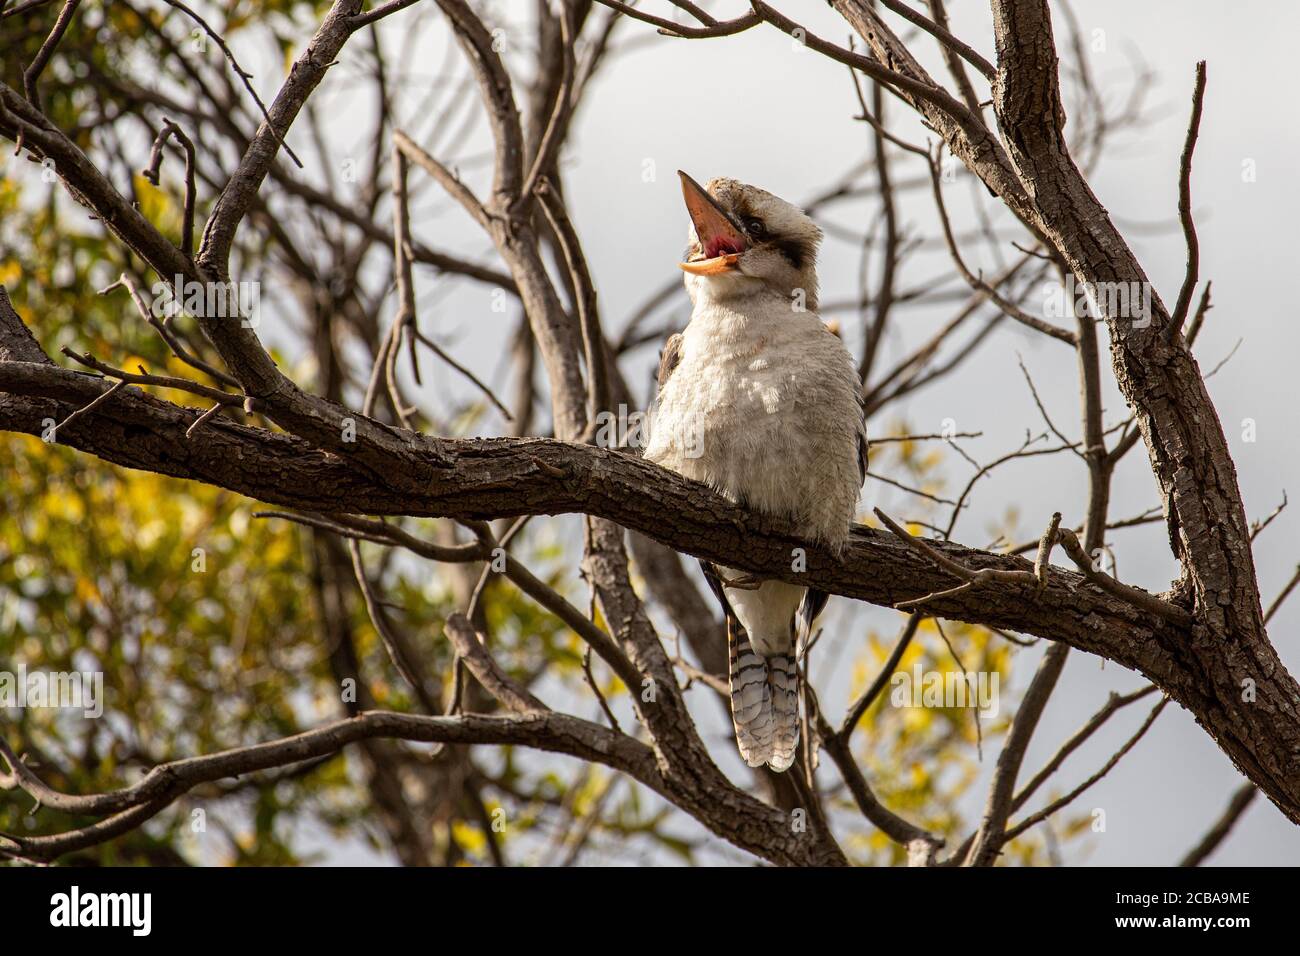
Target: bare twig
x=593 y=339
x=990 y=836
x=711 y=27
x=1045 y=550
x=37 y=66
x=889 y=823
x=405 y=320
x=167 y=334
x=925 y=92
x=901 y=486
x=1136 y=596
x=1185 y=207
x=23 y=8
x=1257 y=527
x=595 y=688
x=868 y=696
x=86 y=409
x=372 y=529
x=444 y=176
x=1198 y=318
x=941 y=436
x=946 y=39
x=1241 y=799
x=952 y=56
x=978 y=283
x=1042 y=410
x=469 y=645
x=1281 y=598
x=1064 y=801
x=132 y=806
x=1114 y=703
x=478 y=383
x=398 y=653
x=379 y=12
x=244 y=76
x=144 y=378
x=970 y=578
x=548 y=148
x=151 y=174
x=198 y=422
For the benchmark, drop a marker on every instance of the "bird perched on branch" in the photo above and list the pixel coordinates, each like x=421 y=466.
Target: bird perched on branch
x=760 y=400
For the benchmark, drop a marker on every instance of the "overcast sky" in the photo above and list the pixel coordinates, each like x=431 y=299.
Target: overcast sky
x=756 y=108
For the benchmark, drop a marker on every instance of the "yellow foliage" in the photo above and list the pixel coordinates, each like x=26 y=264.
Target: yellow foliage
x=469 y=838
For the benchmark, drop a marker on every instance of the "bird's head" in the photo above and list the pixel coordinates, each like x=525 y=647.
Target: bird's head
x=743 y=238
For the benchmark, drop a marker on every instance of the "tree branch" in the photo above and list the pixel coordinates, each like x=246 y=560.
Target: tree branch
x=1185 y=207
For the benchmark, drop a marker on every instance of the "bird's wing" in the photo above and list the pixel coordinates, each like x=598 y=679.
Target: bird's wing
x=669 y=358
x=715 y=585
x=812 y=604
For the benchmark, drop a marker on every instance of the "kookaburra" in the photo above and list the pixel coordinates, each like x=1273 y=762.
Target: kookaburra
x=760 y=400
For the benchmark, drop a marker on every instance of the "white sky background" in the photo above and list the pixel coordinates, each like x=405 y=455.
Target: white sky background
x=754 y=108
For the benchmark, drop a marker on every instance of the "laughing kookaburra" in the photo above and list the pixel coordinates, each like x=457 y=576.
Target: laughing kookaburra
x=760 y=400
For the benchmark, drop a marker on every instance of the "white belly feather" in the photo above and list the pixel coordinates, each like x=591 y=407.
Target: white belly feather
x=763 y=406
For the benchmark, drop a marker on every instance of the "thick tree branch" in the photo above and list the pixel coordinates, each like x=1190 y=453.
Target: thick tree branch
x=1161 y=381
x=507 y=477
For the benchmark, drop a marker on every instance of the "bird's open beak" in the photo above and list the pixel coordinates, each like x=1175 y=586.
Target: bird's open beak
x=721 y=240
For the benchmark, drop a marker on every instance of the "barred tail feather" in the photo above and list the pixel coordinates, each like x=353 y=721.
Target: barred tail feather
x=783 y=678
x=751 y=697
x=764 y=702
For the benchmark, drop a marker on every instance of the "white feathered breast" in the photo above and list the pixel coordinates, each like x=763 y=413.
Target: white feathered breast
x=763 y=406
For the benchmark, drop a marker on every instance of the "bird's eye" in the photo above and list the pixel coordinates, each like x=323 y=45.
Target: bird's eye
x=755 y=227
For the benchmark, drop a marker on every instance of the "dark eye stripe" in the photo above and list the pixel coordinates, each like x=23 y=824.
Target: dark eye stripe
x=794 y=250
